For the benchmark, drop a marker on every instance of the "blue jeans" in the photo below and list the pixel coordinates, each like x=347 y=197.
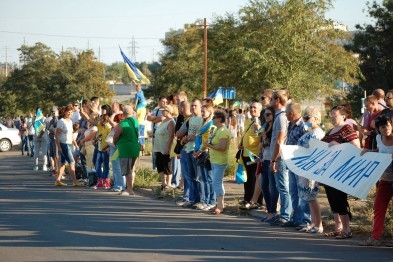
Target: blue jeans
x=102 y=160
x=118 y=179
x=188 y=167
x=301 y=208
x=282 y=183
x=95 y=153
x=25 y=143
x=269 y=188
x=176 y=171
x=206 y=182
x=30 y=144
x=218 y=172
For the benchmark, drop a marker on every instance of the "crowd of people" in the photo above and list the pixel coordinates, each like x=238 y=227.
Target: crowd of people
x=190 y=144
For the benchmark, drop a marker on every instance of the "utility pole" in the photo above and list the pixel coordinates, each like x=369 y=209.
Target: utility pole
x=6 y=61
x=133 y=48
x=204 y=58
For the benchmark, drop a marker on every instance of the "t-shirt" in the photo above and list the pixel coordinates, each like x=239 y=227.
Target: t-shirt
x=280 y=125
x=140 y=97
x=128 y=143
x=216 y=156
x=103 y=131
x=194 y=126
x=388 y=173
x=65 y=125
x=250 y=140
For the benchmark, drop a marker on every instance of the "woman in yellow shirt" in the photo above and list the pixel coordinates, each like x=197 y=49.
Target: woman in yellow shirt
x=218 y=145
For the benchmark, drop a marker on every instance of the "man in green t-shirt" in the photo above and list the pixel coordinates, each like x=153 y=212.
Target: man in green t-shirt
x=127 y=143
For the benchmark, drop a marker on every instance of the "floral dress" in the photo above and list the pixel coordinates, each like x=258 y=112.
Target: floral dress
x=308 y=189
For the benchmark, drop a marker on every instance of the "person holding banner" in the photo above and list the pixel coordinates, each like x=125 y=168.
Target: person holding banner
x=340 y=133
x=309 y=189
x=277 y=164
x=384 y=190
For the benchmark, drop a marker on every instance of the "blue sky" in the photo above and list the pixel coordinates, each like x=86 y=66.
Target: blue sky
x=103 y=25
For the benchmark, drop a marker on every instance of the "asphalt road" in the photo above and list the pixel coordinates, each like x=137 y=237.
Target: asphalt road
x=39 y=222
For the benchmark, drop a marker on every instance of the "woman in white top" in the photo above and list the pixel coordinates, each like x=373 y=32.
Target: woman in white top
x=384 y=193
x=64 y=141
x=164 y=135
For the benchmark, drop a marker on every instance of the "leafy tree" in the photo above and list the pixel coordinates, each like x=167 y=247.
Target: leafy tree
x=47 y=79
x=374 y=44
x=271 y=44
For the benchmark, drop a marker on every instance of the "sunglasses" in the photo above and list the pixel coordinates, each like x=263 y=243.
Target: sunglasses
x=267 y=114
x=75 y=105
x=306 y=118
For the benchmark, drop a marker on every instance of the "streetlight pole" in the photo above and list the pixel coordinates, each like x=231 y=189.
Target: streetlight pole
x=204 y=58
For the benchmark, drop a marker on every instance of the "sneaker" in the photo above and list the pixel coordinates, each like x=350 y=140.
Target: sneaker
x=316 y=230
x=115 y=190
x=44 y=168
x=209 y=207
x=200 y=206
x=289 y=224
x=181 y=202
x=370 y=242
x=278 y=222
x=35 y=168
x=306 y=229
x=59 y=183
x=188 y=205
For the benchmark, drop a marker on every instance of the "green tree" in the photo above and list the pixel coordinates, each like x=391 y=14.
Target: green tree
x=374 y=44
x=47 y=79
x=271 y=44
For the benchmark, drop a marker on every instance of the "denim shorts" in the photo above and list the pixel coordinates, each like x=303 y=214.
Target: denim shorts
x=66 y=154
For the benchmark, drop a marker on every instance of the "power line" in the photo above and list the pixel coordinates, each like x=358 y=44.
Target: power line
x=75 y=36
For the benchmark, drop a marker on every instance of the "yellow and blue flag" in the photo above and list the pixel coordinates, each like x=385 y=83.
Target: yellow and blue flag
x=134 y=72
x=251 y=155
x=38 y=125
x=216 y=96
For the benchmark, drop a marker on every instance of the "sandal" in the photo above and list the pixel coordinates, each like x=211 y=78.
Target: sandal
x=344 y=235
x=216 y=211
x=333 y=234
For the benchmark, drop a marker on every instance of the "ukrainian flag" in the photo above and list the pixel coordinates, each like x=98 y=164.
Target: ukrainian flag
x=134 y=72
x=217 y=96
x=38 y=125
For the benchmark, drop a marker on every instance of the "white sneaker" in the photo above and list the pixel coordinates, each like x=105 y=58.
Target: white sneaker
x=35 y=168
x=44 y=168
x=209 y=207
x=201 y=206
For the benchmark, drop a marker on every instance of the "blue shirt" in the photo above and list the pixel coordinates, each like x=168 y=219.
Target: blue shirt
x=295 y=131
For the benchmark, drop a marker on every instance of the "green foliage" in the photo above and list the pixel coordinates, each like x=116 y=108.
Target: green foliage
x=374 y=44
x=146 y=178
x=269 y=44
x=47 y=79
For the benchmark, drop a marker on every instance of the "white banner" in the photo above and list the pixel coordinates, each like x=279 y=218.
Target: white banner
x=339 y=166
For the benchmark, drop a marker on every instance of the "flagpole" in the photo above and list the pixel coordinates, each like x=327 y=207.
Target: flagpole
x=204 y=58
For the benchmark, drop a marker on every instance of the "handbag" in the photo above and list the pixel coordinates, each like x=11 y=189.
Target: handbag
x=204 y=161
x=241 y=174
x=109 y=138
x=178 y=147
